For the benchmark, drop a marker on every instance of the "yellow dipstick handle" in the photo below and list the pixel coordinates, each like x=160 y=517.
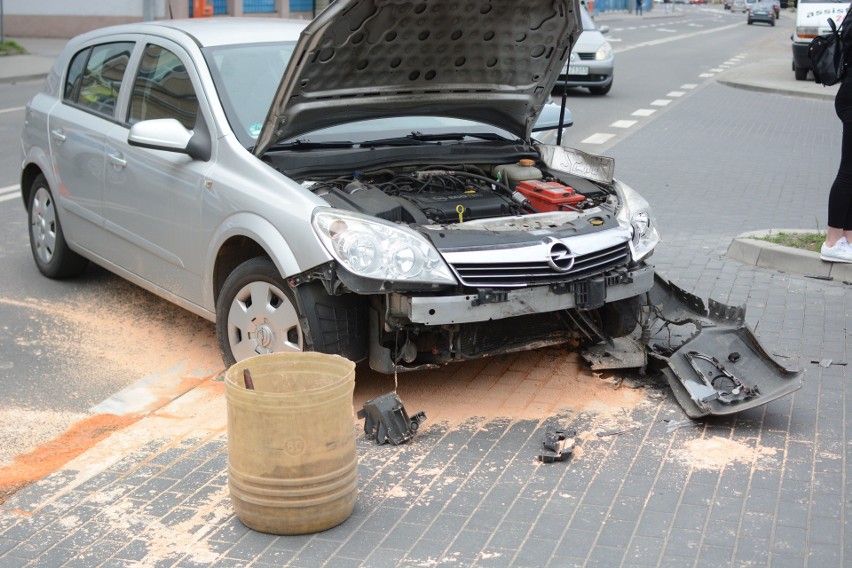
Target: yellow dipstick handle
x=460 y=211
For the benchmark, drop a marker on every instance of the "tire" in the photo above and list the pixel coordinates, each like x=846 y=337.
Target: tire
x=801 y=73
x=600 y=90
x=750 y=22
x=47 y=241
x=256 y=313
x=773 y=23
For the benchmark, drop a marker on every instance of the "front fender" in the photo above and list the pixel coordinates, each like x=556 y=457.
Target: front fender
x=265 y=234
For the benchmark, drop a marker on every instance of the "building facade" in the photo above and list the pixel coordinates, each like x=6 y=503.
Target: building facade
x=67 y=18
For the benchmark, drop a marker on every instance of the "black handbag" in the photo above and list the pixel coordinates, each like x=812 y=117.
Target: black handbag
x=828 y=55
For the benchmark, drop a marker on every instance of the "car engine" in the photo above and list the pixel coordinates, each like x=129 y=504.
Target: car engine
x=461 y=193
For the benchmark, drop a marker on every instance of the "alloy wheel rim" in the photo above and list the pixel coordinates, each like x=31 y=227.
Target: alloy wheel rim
x=262 y=320
x=43 y=225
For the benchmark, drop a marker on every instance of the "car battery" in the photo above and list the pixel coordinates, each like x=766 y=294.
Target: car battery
x=548 y=196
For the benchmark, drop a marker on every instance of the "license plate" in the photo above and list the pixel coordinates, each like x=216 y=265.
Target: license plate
x=578 y=70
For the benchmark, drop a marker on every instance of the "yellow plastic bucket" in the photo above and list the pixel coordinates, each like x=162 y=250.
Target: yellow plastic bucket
x=292 y=465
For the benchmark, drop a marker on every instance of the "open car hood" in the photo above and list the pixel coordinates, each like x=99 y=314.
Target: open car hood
x=493 y=61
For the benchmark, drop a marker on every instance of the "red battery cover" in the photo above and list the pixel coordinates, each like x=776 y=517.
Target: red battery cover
x=548 y=196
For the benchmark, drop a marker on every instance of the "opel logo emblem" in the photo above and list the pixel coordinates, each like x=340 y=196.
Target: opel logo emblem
x=560 y=257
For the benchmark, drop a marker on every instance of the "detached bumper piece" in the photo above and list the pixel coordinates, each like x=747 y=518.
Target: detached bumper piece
x=558 y=445
x=713 y=361
x=385 y=419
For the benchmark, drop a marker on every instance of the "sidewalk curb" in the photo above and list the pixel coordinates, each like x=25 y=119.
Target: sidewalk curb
x=749 y=249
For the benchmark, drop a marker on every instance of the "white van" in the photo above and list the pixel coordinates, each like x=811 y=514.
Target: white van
x=812 y=20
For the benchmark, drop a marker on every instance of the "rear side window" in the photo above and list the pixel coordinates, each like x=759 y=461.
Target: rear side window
x=94 y=77
x=163 y=89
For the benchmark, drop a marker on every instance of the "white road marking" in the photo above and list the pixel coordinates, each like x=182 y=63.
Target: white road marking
x=675 y=38
x=674 y=94
x=716 y=70
x=598 y=138
x=13 y=109
x=688 y=86
x=660 y=102
x=644 y=112
x=706 y=75
x=623 y=123
x=10 y=192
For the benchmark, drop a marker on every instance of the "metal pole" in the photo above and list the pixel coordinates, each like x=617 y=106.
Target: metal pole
x=2 y=31
x=147 y=10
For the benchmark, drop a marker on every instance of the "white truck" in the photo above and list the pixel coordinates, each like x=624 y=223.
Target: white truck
x=812 y=20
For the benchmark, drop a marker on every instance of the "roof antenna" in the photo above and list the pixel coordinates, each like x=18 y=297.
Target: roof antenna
x=171 y=16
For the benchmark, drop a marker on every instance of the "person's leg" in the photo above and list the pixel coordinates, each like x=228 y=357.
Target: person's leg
x=840 y=195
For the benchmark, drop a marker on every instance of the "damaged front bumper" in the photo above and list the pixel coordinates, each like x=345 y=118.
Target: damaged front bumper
x=711 y=359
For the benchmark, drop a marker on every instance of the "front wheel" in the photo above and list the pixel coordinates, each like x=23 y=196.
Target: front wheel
x=801 y=73
x=256 y=313
x=51 y=253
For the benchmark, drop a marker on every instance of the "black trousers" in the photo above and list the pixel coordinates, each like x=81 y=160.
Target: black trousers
x=840 y=197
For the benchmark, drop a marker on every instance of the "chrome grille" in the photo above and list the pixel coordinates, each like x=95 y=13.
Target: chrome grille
x=516 y=274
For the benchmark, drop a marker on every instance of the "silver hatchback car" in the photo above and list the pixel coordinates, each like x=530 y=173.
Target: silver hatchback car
x=367 y=184
x=592 y=62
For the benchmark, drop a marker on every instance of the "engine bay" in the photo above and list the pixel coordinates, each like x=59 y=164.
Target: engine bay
x=454 y=194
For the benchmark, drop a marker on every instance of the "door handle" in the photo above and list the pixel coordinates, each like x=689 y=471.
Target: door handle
x=117 y=161
x=58 y=135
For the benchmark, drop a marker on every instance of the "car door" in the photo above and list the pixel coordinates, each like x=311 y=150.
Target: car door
x=152 y=198
x=77 y=129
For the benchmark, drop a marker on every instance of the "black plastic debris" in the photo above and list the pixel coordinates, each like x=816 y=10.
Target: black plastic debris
x=387 y=421
x=558 y=445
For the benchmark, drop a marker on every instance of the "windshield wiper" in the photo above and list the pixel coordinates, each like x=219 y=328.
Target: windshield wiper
x=308 y=145
x=418 y=138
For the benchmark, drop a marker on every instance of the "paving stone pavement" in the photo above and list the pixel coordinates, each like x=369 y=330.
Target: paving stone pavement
x=646 y=487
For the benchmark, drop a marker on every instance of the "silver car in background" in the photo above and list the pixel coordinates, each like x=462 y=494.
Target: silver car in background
x=592 y=62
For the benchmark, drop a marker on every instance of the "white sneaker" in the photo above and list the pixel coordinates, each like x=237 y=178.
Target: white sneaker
x=840 y=252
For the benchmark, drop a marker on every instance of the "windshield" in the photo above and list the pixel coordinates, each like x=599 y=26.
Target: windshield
x=586 y=18
x=246 y=77
x=366 y=130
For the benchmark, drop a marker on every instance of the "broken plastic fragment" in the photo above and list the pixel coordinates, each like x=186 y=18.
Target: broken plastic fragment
x=387 y=421
x=558 y=445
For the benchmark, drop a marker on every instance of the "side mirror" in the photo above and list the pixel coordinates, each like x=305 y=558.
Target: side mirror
x=548 y=119
x=169 y=135
x=604 y=29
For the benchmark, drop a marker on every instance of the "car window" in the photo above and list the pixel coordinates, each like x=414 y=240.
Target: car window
x=74 y=77
x=392 y=127
x=94 y=77
x=586 y=19
x=246 y=77
x=162 y=89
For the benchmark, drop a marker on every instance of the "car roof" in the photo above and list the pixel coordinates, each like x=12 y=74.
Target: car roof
x=209 y=32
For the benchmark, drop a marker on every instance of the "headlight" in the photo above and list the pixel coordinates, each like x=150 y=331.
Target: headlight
x=604 y=52
x=374 y=249
x=636 y=212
